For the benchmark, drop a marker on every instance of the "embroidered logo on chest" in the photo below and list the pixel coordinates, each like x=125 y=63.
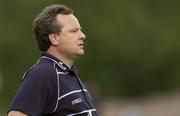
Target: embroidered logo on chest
x=76 y=101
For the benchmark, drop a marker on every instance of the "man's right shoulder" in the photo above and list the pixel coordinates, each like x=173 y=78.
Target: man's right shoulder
x=41 y=71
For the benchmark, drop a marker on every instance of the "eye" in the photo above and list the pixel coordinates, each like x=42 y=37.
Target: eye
x=74 y=30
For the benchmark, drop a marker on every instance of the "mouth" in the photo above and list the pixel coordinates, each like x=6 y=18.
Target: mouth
x=81 y=44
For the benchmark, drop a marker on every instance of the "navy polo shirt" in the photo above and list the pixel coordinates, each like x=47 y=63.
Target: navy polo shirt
x=50 y=88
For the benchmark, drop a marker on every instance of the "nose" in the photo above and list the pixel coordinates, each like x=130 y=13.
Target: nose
x=82 y=35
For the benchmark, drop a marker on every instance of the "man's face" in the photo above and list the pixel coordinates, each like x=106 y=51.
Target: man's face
x=71 y=38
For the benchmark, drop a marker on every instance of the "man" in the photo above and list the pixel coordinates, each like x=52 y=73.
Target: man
x=52 y=86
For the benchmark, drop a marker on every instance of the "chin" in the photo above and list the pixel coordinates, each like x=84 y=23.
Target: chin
x=81 y=53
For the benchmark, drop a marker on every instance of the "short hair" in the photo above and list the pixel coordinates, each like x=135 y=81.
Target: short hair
x=45 y=23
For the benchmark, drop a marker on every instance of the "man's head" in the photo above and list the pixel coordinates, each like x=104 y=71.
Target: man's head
x=58 y=30
x=46 y=23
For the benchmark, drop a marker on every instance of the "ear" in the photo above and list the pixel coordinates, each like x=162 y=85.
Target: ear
x=54 y=39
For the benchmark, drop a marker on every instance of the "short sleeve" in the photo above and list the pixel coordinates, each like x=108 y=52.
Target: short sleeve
x=34 y=92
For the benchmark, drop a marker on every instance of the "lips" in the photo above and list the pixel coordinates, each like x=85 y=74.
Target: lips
x=81 y=44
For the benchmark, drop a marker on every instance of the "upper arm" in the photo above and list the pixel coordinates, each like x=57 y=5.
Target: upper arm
x=16 y=113
x=34 y=92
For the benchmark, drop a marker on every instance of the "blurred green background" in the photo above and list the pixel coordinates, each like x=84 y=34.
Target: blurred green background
x=132 y=46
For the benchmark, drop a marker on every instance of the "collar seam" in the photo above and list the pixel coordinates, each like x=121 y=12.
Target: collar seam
x=59 y=63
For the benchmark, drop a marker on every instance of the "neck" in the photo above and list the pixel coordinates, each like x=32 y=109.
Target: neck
x=67 y=61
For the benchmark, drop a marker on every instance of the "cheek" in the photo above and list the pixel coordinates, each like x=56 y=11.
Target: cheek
x=69 y=42
x=67 y=45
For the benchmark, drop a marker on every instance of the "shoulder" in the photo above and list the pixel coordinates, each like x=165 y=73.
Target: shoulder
x=36 y=90
x=41 y=73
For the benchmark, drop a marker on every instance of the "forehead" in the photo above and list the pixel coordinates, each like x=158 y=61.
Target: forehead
x=68 y=20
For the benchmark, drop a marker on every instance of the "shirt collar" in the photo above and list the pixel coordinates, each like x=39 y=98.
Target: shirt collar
x=59 y=63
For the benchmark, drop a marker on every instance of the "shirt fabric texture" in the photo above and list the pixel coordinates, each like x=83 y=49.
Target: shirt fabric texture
x=50 y=88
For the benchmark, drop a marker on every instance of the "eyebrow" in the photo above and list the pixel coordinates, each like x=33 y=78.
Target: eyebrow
x=79 y=28
x=76 y=26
